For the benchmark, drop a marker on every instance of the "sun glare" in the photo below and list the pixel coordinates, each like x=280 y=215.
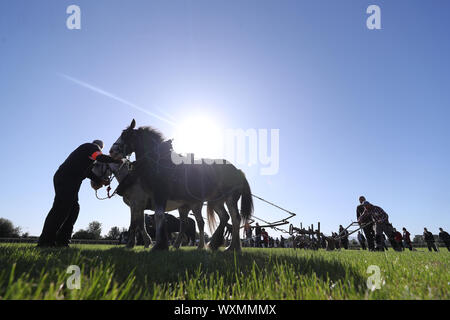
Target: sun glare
x=199 y=135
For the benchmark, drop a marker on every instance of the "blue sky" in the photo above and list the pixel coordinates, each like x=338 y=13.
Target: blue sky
x=360 y=112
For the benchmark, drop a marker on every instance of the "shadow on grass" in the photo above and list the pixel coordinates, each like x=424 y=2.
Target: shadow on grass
x=175 y=265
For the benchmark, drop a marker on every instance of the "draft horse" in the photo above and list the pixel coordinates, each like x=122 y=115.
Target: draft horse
x=214 y=181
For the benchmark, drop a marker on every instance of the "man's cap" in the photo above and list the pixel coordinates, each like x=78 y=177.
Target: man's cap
x=99 y=143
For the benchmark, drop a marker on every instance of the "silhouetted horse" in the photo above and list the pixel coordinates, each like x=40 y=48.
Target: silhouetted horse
x=162 y=175
x=172 y=225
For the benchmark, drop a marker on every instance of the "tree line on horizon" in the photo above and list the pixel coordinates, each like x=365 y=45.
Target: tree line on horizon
x=92 y=232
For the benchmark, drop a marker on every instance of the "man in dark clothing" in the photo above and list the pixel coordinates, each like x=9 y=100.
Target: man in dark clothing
x=67 y=181
x=382 y=225
x=407 y=239
x=344 y=237
x=247 y=231
x=429 y=239
x=282 y=244
x=323 y=241
x=337 y=242
x=368 y=229
x=265 y=237
x=258 y=235
x=362 y=240
x=444 y=237
x=398 y=239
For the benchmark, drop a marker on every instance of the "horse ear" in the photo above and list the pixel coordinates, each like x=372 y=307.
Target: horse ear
x=132 y=125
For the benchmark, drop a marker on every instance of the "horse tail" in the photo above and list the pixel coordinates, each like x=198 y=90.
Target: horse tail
x=246 y=200
x=211 y=216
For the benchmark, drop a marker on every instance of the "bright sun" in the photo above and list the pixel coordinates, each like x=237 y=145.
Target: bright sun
x=199 y=135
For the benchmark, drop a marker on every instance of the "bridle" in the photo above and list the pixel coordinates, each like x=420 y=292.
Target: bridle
x=121 y=148
x=109 y=173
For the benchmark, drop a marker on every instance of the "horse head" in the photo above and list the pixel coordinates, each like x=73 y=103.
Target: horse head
x=102 y=170
x=124 y=146
x=144 y=141
x=105 y=170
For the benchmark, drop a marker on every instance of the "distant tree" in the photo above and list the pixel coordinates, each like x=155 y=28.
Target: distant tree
x=113 y=234
x=95 y=228
x=418 y=239
x=7 y=229
x=93 y=232
x=83 y=235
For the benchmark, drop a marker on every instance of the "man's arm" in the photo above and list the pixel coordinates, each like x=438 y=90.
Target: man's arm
x=107 y=159
x=100 y=157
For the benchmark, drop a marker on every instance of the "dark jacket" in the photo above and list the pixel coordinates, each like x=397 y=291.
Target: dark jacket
x=428 y=236
x=444 y=236
x=78 y=164
x=406 y=237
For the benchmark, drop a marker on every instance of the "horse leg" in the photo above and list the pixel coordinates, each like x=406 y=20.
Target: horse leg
x=236 y=222
x=197 y=210
x=217 y=238
x=183 y=211
x=132 y=231
x=140 y=217
x=160 y=226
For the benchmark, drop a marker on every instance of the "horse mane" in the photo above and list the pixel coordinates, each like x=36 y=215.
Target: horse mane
x=151 y=133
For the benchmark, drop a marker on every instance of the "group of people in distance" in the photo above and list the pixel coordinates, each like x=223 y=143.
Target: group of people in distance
x=380 y=227
x=374 y=222
x=262 y=238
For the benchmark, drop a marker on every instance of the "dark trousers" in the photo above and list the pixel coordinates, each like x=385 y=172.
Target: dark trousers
x=344 y=243
x=447 y=244
x=60 y=220
x=363 y=245
x=370 y=236
x=430 y=245
x=258 y=241
x=408 y=245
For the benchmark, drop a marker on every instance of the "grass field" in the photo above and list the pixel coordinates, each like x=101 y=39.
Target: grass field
x=110 y=272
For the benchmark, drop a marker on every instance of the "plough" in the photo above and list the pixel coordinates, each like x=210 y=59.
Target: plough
x=342 y=235
x=277 y=223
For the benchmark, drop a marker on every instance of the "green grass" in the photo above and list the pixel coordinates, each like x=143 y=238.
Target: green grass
x=109 y=272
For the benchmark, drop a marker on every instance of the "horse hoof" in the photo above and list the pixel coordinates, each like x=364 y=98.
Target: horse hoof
x=160 y=247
